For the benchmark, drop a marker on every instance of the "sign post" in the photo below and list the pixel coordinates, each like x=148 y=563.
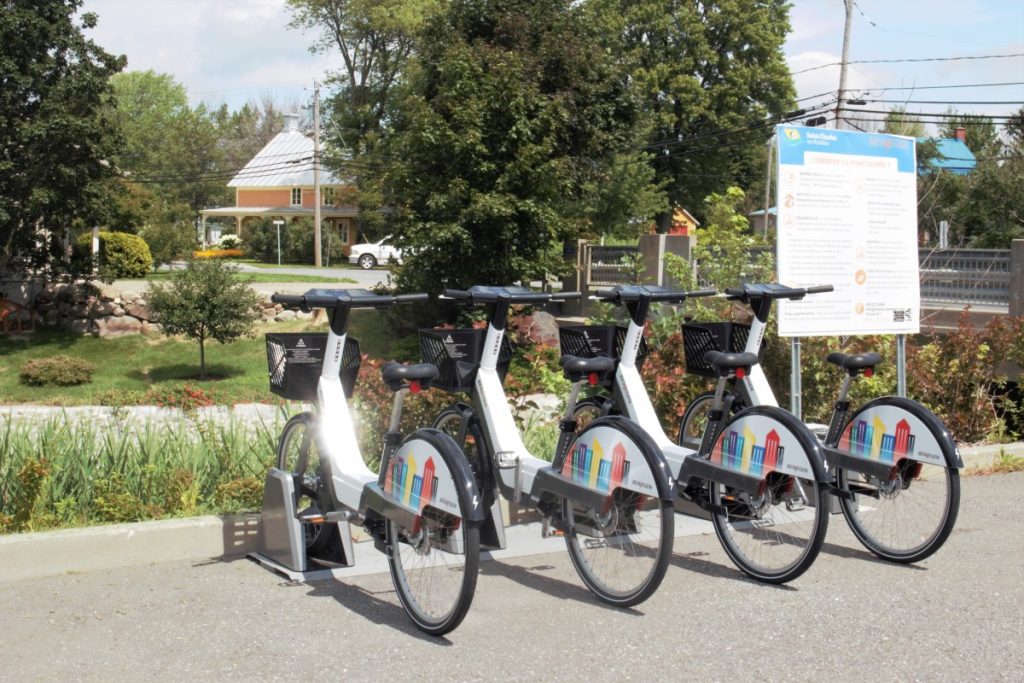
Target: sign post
x=847 y=216
x=279 y=223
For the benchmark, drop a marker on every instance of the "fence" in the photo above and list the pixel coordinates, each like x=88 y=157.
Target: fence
x=609 y=266
x=965 y=276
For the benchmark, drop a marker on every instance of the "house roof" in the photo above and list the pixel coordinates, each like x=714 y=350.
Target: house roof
x=954 y=156
x=325 y=211
x=286 y=161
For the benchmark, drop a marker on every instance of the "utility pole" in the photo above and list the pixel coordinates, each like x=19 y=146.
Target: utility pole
x=316 y=175
x=844 y=63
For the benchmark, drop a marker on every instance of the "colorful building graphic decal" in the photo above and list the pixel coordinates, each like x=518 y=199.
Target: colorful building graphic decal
x=743 y=452
x=588 y=465
x=872 y=440
x=404 y=482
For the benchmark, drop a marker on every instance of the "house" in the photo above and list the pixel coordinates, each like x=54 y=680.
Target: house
x=683 y=222
x=954 y=154
x=277 y=183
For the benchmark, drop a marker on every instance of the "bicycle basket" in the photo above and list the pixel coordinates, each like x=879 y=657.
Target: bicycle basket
x=589 y=341
x=456 y=353
x=699 y=338
x=295 y=360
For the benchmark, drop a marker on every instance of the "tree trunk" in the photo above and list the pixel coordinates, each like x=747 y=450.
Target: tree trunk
x=202 y=361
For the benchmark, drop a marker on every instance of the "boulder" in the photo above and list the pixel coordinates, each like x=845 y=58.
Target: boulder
x=304 y=315
x=113 y=326
x=103 y=309
x=284 y=316
x=79 y=311
x=80 y=326
x=268 y=313
x=140 y=311
x=129 y=296
x=151 y=328
x=539 y=327
x=52 y=318
x=118 y=311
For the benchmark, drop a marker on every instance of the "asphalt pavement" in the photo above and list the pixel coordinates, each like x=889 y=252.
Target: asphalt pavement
x=954 y=617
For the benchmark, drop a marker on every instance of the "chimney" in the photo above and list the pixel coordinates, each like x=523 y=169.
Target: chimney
x=961 y=134
x=291 y=123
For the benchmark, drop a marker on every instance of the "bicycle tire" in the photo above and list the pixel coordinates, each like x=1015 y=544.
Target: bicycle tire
x=590 y=409
x=297 y=453
x=434 y=566
x=909 y=517
x=776 y=535
x=642 y=526
x=691 y=428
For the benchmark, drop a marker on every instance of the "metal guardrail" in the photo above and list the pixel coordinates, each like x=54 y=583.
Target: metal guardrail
x=965 y=276
x=611 y=265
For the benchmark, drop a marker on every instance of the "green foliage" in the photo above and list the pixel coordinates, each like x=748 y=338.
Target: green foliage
x=296 y=242
x=897 y=122
x=169 y=241
x=512 y=112
x=230 y=242
x=56 y=131
x=709 y=76
x=122 y=256
x=622 y=201
x=982 y=137
x=205 y=301
x=59 y=371
x=124 y=472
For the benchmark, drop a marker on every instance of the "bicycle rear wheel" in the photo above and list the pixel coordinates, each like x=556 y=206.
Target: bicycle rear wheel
x=691 y=429
x=434 y=562
x=620 y=551
x=775 y=534
x=298 y=454
x=910 y=515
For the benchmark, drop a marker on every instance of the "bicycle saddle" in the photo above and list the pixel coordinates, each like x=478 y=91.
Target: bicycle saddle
x=395 y=375
x=726 y=361
x=854 y=362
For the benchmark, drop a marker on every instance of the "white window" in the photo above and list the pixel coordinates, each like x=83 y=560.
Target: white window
x=327 y=196
x=296 y=196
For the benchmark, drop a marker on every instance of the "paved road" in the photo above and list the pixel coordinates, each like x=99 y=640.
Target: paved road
x=956 y=617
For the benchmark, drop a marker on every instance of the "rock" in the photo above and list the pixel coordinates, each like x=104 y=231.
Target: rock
x=112 y=326
x=139 y=301
x=118 y=311
x=79 y=311
x=539 y=327
x=103 y=309
x=52 y=318
x=268 y=313
x=304 y=315
x=129 y=296
x=151 y=328
x=81 y=326
x=140 y=311
x=284 y=316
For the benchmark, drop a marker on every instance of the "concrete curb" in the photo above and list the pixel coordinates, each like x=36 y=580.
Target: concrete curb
x=51 y=553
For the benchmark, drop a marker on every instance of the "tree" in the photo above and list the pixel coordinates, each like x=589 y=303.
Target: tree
x=374 y=39
x=982 y=137
x=56 y=133
x=205 y=301
x=713 y=80
x=897 y=122
x=514 y=110
x=245 y=132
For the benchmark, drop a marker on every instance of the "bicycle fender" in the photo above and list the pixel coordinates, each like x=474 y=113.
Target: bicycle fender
x=890 y=428
x=614 y=452
x=429 y=469
x=763 y=439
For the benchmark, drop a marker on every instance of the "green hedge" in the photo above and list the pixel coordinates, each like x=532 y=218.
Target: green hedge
x=122 y=255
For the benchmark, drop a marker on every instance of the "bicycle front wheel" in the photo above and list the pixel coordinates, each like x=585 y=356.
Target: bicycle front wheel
x=775 y=534
x=298 y=454
x=908 y=516
x=434 y=562
x=621 y=551
x=695 y=418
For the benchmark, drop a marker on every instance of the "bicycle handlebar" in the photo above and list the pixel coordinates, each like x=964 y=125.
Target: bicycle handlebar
x=773 y=290
x=350 y=298
x=636 y=293
x=514 y=295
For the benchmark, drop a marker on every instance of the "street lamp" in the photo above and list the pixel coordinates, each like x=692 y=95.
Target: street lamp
x=278 y=223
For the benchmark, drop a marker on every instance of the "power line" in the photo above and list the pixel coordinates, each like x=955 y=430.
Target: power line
x=1020 y=102
x=944 y=87
x=906 y=60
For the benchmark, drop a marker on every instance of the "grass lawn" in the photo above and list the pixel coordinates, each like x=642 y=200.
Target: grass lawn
x=126 y=367
x=341 y=263
x=165 y=275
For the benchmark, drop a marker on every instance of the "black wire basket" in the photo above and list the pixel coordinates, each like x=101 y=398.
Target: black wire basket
x=295 y=360
x=699 y=338
x=457 y=353
x=590 y=341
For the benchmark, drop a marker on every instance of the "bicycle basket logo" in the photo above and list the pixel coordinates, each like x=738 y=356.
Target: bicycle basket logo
x=588 y=465
x=301 y=344
x=871 y=440
x=742 y=452
x=410 y=486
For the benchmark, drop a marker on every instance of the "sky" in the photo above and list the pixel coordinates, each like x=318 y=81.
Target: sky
x=233 y=51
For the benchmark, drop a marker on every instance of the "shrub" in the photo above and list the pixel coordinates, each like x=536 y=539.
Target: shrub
x=169 y=241
x=239 y=495
x=230 y=242
x=296 y=242
x=57 y=371
x=122 y=255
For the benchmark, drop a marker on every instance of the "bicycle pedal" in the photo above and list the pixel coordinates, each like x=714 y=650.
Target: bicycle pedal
x=548 y=530
x=316 y=518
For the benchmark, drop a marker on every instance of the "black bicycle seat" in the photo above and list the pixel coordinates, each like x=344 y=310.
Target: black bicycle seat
x=395 y=375
x=727 y=361
x=854 y=362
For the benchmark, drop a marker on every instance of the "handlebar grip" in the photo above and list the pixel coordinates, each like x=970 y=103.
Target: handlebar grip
x=293 y=300
x=566 y=296
x=412 y=298
x=735 y=292
x=819 y=289
x=457 y=294
x=605 y=294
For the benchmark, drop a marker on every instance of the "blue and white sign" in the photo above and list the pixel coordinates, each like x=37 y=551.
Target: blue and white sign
x=847 y=216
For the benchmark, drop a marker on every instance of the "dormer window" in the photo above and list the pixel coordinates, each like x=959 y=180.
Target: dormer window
x=327 y=196
x=296 y=196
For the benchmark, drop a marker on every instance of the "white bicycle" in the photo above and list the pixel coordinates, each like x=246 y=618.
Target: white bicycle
x=607 y=488
x=422 y=509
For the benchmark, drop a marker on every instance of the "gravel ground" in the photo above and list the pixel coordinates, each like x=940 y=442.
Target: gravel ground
x=954 y=617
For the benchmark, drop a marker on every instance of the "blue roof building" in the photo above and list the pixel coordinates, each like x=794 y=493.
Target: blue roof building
x=954 y=155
